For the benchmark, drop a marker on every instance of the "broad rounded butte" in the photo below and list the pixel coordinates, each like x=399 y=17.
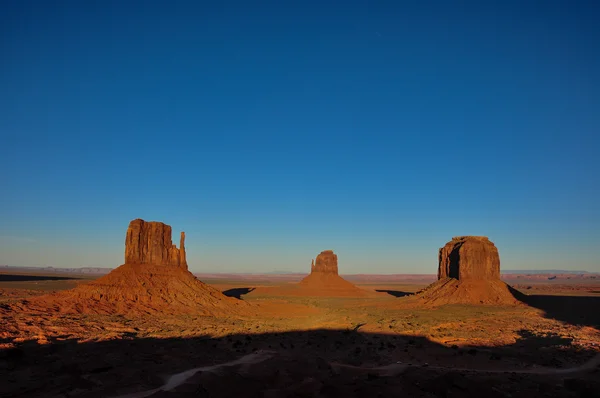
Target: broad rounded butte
x=468 y=273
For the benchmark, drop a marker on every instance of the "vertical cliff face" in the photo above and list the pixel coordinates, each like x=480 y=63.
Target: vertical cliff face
x=153 y=280
x=327 y=263
x=182 y=256
x=151 y=243
x=468 y=273
x=469 y=257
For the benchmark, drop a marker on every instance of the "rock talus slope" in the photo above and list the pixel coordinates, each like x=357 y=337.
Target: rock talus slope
x=468 y=273
x=154 y=279
x=324 y=279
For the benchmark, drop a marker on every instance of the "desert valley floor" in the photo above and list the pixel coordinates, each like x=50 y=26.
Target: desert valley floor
x=283 y=343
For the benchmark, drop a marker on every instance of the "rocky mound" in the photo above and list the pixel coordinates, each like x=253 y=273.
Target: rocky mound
x=139 y=289
x=154 y=279
x=324 y=278
x=468 y=273
x=453 y=291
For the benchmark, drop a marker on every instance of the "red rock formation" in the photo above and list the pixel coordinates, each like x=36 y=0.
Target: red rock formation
x=154 y=280
x=324 y=279
x=327 y=262
x=182 y=255
x=469 y=257
x=468 y=273
x=469 y=291
x=140 y=289
x=150 y=243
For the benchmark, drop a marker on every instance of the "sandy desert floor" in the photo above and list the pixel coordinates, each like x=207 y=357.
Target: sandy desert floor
x=290 y=345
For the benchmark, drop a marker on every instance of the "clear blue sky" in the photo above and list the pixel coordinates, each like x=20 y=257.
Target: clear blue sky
x=270 y=131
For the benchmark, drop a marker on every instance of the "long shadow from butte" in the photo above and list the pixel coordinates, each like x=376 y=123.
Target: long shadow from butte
x=395 y=293
x=576 y=310
x=30 y=278
x=299 y=363
x=240 y=291
x=237 y=292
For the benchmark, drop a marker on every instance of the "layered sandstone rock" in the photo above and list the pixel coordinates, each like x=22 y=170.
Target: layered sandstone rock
x=469 y=257
x=468 y=273
x=324 y=280
x=327 y=262
x=150 y=243
x=153 y=280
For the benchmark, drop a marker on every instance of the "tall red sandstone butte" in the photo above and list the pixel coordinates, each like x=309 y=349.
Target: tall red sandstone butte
x=469 y=257
x=468 y=273
x=324 y=280
x=154 y=279
x=150 y=243
x=327 y=262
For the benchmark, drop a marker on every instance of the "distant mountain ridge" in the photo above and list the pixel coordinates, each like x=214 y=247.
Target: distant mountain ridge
x=73 y=270
x=545 y=271
x=106 y=270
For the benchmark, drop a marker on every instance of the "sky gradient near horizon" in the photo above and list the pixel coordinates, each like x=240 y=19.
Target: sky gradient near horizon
x=269 y=131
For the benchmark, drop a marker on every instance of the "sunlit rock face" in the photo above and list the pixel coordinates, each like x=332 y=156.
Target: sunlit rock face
x=327 y=262
x=150 y=243
x=469 y=257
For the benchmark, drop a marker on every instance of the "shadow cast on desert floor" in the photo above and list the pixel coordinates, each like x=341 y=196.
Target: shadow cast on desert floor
x=323 y=363
x=576 y=310
x=237 y=292
x=395 y=293
x=32 y=278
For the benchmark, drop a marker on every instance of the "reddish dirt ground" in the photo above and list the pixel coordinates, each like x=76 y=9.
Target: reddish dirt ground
x=136 y=289
x=308 y=345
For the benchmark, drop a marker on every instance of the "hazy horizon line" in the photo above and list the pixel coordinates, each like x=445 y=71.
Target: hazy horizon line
x=281 y=272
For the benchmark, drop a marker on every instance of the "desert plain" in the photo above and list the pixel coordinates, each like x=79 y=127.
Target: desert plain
x=152 y=329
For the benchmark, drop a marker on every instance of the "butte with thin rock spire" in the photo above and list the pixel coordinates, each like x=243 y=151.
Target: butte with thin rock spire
x=154 y=279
